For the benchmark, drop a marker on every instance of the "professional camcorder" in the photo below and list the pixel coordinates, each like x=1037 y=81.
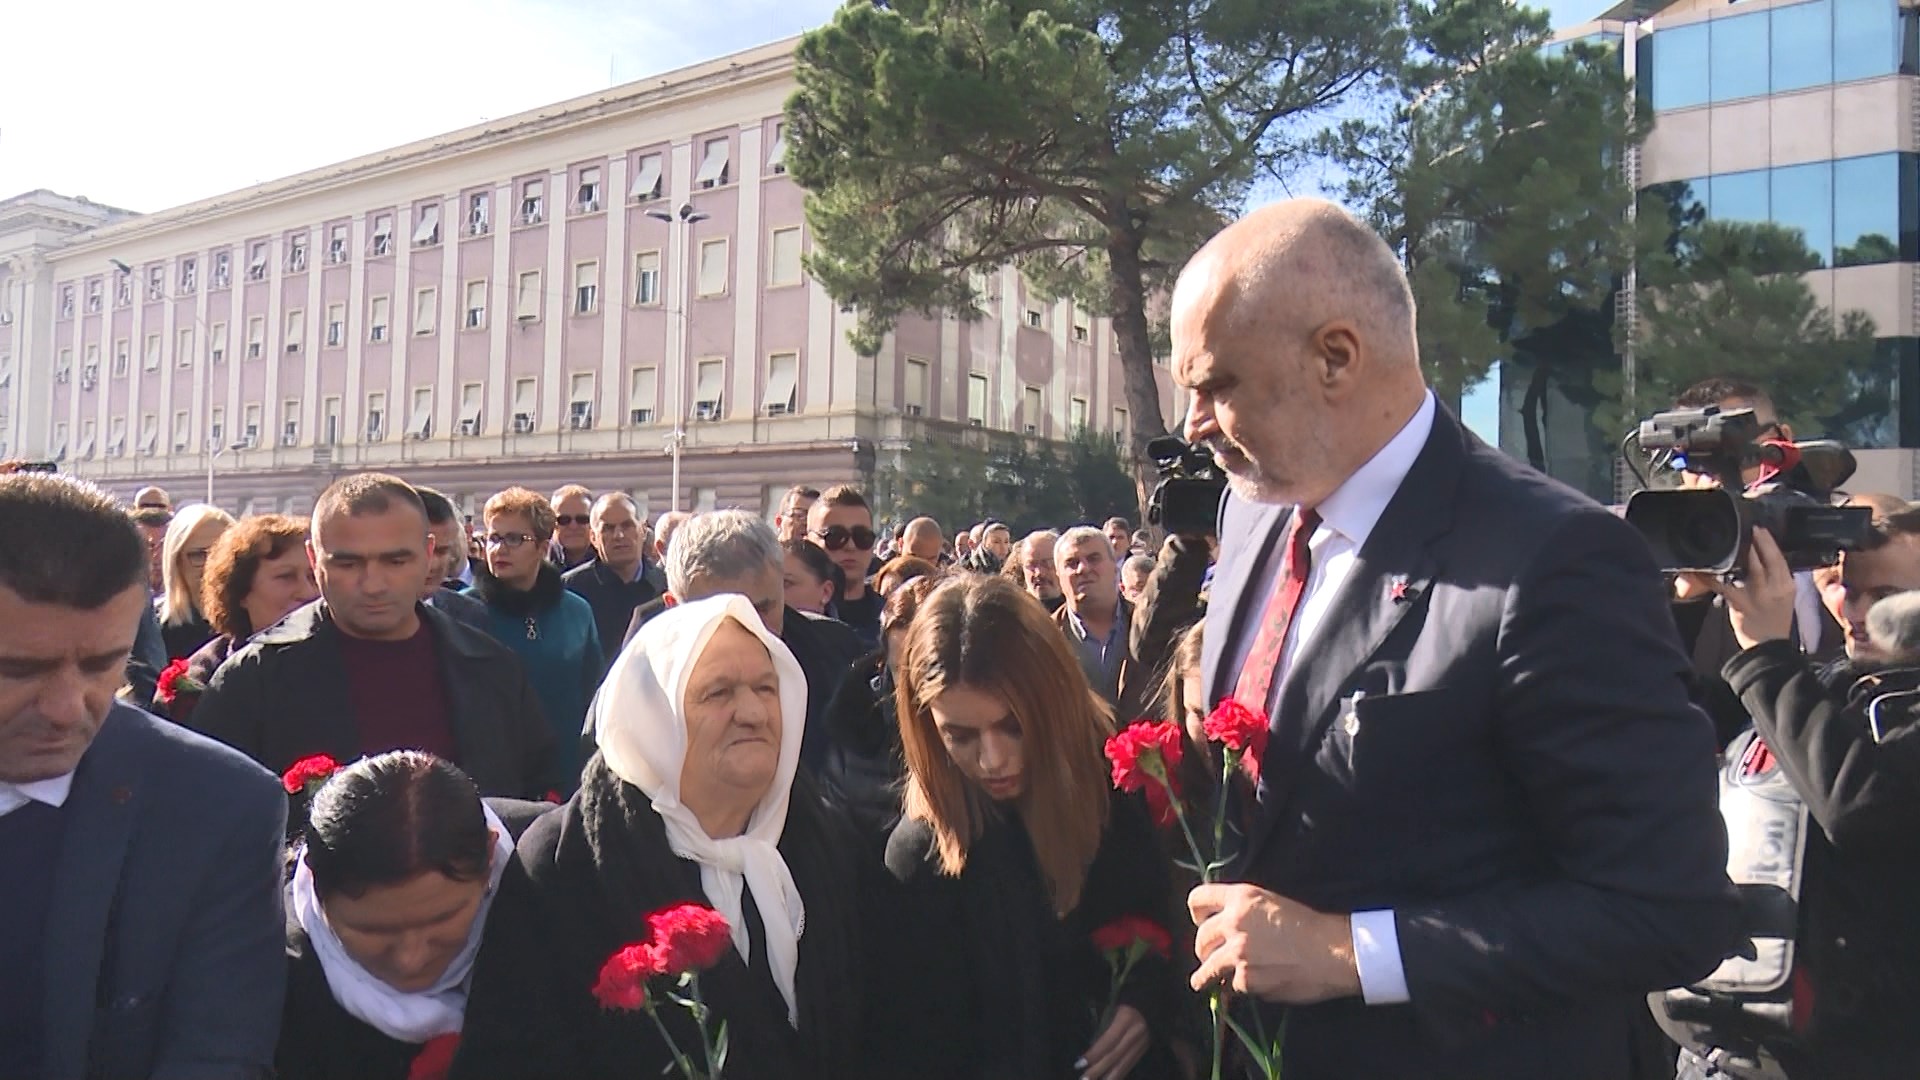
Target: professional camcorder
x=1708 y=529
x=1187 y=500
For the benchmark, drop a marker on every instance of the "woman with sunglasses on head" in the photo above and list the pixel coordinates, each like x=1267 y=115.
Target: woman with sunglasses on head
x=841 y=523
x=530 y=611
x=1013 y=852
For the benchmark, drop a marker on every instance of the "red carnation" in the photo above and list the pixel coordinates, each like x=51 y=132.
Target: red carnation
x=688 y=937
x=174 y=681
x=1123 y=933
x=1144 y=758
x=306 y=771
x=623 y=978
x=435 y=1059
x=1236 y=727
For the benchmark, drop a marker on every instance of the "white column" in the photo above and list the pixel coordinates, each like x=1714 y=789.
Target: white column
x=352 y=421
x=610 y=410
x=273 y=345
x=400 y=397
x=558 y=282
x=677 y=264
x=816 y=367
x=498 y=392
x=747 y=276
x=446 y=322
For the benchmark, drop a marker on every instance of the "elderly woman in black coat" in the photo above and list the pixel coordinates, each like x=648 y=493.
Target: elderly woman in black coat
x=693 y=797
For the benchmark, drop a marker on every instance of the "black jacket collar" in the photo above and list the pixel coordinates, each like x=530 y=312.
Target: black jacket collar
x=315 y=621
x=497 y=594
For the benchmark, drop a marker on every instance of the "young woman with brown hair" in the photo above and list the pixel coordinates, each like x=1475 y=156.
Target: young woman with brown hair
x=1014 y=851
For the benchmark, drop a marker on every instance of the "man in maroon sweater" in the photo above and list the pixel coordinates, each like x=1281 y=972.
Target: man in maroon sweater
x=368 y=668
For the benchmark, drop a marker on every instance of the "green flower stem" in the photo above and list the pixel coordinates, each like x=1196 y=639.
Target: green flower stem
x=1219 y=1010
x=680 y=1060
x=700 y=1017
x=1229 y=762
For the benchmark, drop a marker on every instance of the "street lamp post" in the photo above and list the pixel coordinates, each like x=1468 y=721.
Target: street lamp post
x=686 y=218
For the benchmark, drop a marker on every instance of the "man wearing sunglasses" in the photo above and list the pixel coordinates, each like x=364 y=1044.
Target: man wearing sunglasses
x=573 y=528
x=841 y=523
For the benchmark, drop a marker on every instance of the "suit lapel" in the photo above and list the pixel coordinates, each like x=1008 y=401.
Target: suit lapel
x=101 y=810
x=1390 y=578
x=1236 y=587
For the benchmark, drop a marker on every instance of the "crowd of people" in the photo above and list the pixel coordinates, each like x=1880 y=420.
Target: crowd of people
x=562 y=792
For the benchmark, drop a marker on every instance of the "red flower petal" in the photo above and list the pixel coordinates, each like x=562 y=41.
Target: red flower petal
x=1120 y=935
x=688 y=937
x=623 y=978
x=306 y=771
x=1145 y=757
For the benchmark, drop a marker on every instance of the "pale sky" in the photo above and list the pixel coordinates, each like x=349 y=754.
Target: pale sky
x=146 y=106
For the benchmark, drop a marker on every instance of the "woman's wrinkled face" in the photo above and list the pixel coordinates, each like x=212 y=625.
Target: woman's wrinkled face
x=983 y=738
x=281 y=584
x=732 y=707
x=407 y=935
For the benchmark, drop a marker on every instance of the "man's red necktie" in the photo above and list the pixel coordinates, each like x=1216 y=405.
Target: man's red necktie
x=1263 y=660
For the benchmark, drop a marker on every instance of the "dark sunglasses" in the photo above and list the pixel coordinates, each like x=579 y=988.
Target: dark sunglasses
x=565 y=520
x=839 y=536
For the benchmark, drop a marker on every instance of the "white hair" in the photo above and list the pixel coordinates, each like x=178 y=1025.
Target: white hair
x=724 y=544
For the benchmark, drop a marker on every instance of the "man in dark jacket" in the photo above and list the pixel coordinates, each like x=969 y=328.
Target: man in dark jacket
x=369 y=668
x=139 y=862
x=615 y=582
x=731 y=551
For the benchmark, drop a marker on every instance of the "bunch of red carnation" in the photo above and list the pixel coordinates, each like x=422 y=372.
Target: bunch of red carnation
x=682 y=941
x=308 y=771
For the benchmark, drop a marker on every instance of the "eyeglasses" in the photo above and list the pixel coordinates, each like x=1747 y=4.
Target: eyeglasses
x=197 y=556
x=565 y=520
x=508 y=540
x=839 y=536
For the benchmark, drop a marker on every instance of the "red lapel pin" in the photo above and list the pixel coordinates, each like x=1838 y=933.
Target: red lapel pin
x=1400 y=591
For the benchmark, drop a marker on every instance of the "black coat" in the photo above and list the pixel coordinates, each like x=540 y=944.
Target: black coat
x=319 y=1040
x=612 y=600
x=975 y=978
x=283 y=696
x=580 y=889
x=864 y=769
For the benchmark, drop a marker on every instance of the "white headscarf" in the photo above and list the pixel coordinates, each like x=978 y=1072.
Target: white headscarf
x=639 y=721
x=408 y=1017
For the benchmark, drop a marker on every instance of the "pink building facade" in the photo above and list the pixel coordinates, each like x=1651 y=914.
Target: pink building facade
x=501 y=305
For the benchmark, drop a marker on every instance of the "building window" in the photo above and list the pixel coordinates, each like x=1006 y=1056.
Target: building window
x=336 y=325
x=1802 y=199
x=526 y=296
x=257 y=261
x=977 y=400
x=426 y=311
x=420 y=419
x=586 y=288
x=182 y=432
x=337 y=244
x=296 y=329
x=1077 y=414
x=1867 y=225
x=646 y=279
x=1082 y=327
x=66 y=301
x=297 y=253
x=122 y=357
x=376 y=417
x=783 y=260
x=533 y=202
x=216 y=427
x=471 y=399
x=289 y=423
x=122 y=290
x=91 y=361
x=1790 y=47
x=479 y=213
x=379 y=317
x=382 y=234
x=1030 y=410
x=643 y=390
x=1867 y=39
x=1802 y=46
x=189 y=275
x=116 y=436
x=250 y=425
x=646 y=179
x=329 y=421
x=63 y=368
x=476 y=306
x=526 y=398
x=709 y=394
x=915 y=395
x=777 y=150
x=96 y=296
x=1036 y=318
x=256 y=337
x=217 y=344
x=783 y=384
x=183 y=347
x=1736 y=47
x=57 y=449
x=580 y=401
x=1122 y=431
x=713 y=267
x=149 y=432
x=714 y=170
x=156 y=283
x=150 y=357
x=222 y=269
x=426 y=228
x=587 y=193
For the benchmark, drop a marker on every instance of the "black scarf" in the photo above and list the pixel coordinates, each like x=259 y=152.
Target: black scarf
x=519 y=603
x=637 y=872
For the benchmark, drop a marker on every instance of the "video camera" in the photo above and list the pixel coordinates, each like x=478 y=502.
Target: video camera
x=1707 y=530
x=1186 y=502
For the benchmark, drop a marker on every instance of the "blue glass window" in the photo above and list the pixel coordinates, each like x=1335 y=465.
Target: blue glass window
x=1739 y=62
x=1866 y=39
x=1866 y=217
x=1803 y=200
x=1802 y=46
x=1680 y=67
x=1739 y=197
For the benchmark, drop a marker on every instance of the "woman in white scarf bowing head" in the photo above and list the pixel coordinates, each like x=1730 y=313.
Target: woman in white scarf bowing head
x=695 y=796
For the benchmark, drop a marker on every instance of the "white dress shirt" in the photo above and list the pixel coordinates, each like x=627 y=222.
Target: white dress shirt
x=52 y=791
x=1347 y=518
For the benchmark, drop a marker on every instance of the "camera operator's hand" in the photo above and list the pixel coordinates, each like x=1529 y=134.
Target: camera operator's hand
x=1760 y=603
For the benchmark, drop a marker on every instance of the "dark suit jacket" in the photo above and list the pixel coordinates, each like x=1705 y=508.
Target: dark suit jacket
x=463 y=608
x=1128 y=695
x=1524 y=783
x=612 y=601
x=163 y=943
x=283 y=697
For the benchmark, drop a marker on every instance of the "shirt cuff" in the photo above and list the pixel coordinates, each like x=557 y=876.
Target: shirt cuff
x=1376 y=952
